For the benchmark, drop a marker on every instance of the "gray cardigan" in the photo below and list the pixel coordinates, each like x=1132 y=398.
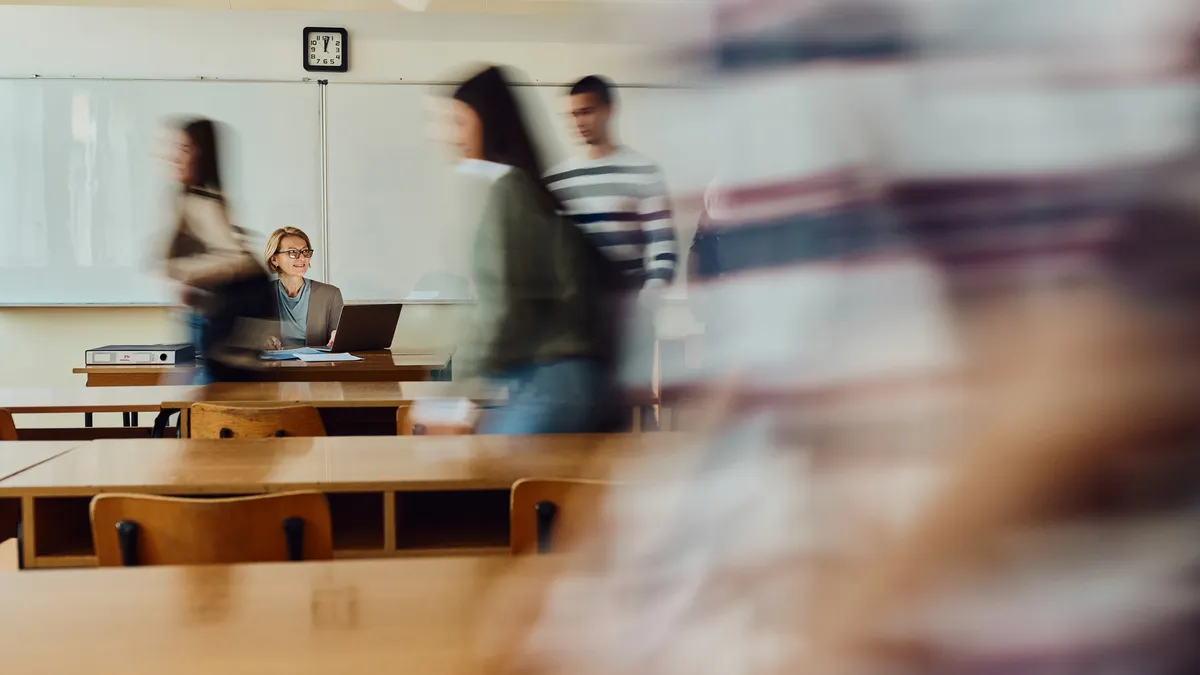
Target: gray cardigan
x=324 y=312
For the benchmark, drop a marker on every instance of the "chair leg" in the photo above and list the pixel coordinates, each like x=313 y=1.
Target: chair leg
x=545 y=512
x=160 y=423
x=20 y=546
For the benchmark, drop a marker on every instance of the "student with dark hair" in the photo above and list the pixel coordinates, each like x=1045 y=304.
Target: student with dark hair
x=229 y=293
x=619 y=198
x=541 y=326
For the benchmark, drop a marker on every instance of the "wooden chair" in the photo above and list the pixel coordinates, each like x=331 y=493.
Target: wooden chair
x=551 y=510
x=406 y=427
x=8 y=428
x=221 y=421
x=134 y=530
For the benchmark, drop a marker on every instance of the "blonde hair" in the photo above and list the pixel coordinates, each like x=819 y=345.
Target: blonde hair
x=273 y=244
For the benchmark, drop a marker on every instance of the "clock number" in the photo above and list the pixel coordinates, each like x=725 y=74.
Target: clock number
x=313 y=43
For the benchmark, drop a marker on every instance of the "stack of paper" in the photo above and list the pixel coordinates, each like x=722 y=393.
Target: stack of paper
x=306 y=354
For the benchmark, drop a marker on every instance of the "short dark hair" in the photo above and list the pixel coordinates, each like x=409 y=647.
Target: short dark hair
x=205 y=139
x=596 y=85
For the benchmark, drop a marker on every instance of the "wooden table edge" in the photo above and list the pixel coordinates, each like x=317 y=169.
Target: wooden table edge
x=256 y=488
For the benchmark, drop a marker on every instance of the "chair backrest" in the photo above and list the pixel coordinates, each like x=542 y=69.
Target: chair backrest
x=226 y=421
x=550 y=513
x=8 y=428
x=150 y=530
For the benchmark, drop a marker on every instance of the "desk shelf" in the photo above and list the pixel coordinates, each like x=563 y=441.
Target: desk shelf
x=366 y=524
x=451 y=520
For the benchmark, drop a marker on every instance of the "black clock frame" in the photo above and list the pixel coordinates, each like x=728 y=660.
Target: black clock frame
x=345 y=67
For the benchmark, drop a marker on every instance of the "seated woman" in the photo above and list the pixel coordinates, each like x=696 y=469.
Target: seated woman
x=308 y=310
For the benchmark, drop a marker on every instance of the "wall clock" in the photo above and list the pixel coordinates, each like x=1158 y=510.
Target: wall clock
x=326 y=50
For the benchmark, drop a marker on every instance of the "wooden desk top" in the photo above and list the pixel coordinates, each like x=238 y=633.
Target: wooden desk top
x=28 y=400
x=333 y=464
x=373 y=363
x=151 y=399
x=364 y=617
x=17 y=456
x=332 y=394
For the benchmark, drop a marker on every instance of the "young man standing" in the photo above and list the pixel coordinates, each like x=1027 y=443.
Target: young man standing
x=619 y=198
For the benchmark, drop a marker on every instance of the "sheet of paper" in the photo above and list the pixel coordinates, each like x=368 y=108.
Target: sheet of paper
x=287 y=354
x=321 y=357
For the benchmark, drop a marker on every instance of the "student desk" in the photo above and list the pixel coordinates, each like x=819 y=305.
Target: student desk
x=382 y=366
x=18 y=456
x=350 y=408
x=389 y=496
x=351 y=395
x=365 y=617
x=48 y=400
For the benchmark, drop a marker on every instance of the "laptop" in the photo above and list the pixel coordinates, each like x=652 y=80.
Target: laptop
x=364 y=328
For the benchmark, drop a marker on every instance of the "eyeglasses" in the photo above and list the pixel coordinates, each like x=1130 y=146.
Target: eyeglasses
x=293 y=253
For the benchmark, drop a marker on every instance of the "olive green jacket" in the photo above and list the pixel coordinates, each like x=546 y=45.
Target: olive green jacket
x=531 y=281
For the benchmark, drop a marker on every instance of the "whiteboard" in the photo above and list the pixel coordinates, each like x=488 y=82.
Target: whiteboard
x=401 y=220
x=84 y=198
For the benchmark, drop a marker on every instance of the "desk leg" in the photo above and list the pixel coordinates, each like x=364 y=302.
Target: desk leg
x=87 y=420
x=124 y=419
x=133 y=420
x=28 y=533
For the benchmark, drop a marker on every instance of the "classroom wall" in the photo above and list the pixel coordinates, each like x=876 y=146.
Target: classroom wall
x=40 y=346
x=421 y=47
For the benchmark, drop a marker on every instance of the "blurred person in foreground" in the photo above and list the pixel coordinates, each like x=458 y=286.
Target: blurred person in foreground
x=953 y=413
x=619 y=198
x=229 y=293
x=541 y=325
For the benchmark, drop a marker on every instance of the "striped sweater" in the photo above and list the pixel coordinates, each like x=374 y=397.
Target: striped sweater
x=621 y=202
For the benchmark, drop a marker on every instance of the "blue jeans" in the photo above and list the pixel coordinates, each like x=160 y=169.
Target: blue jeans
x=563 y=397
x=195 y=323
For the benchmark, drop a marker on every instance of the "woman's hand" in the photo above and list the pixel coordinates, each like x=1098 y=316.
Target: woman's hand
x=332 y=335
x=274 y=343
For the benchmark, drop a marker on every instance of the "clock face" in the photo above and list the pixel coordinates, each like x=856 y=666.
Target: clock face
x=325 y=49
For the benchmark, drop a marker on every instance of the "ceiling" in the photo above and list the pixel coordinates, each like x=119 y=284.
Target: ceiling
x=449 y=6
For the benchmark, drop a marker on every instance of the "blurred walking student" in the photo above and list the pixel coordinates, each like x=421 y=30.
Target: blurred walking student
x=541 y=326
x=619 y=198
x=230 y=295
